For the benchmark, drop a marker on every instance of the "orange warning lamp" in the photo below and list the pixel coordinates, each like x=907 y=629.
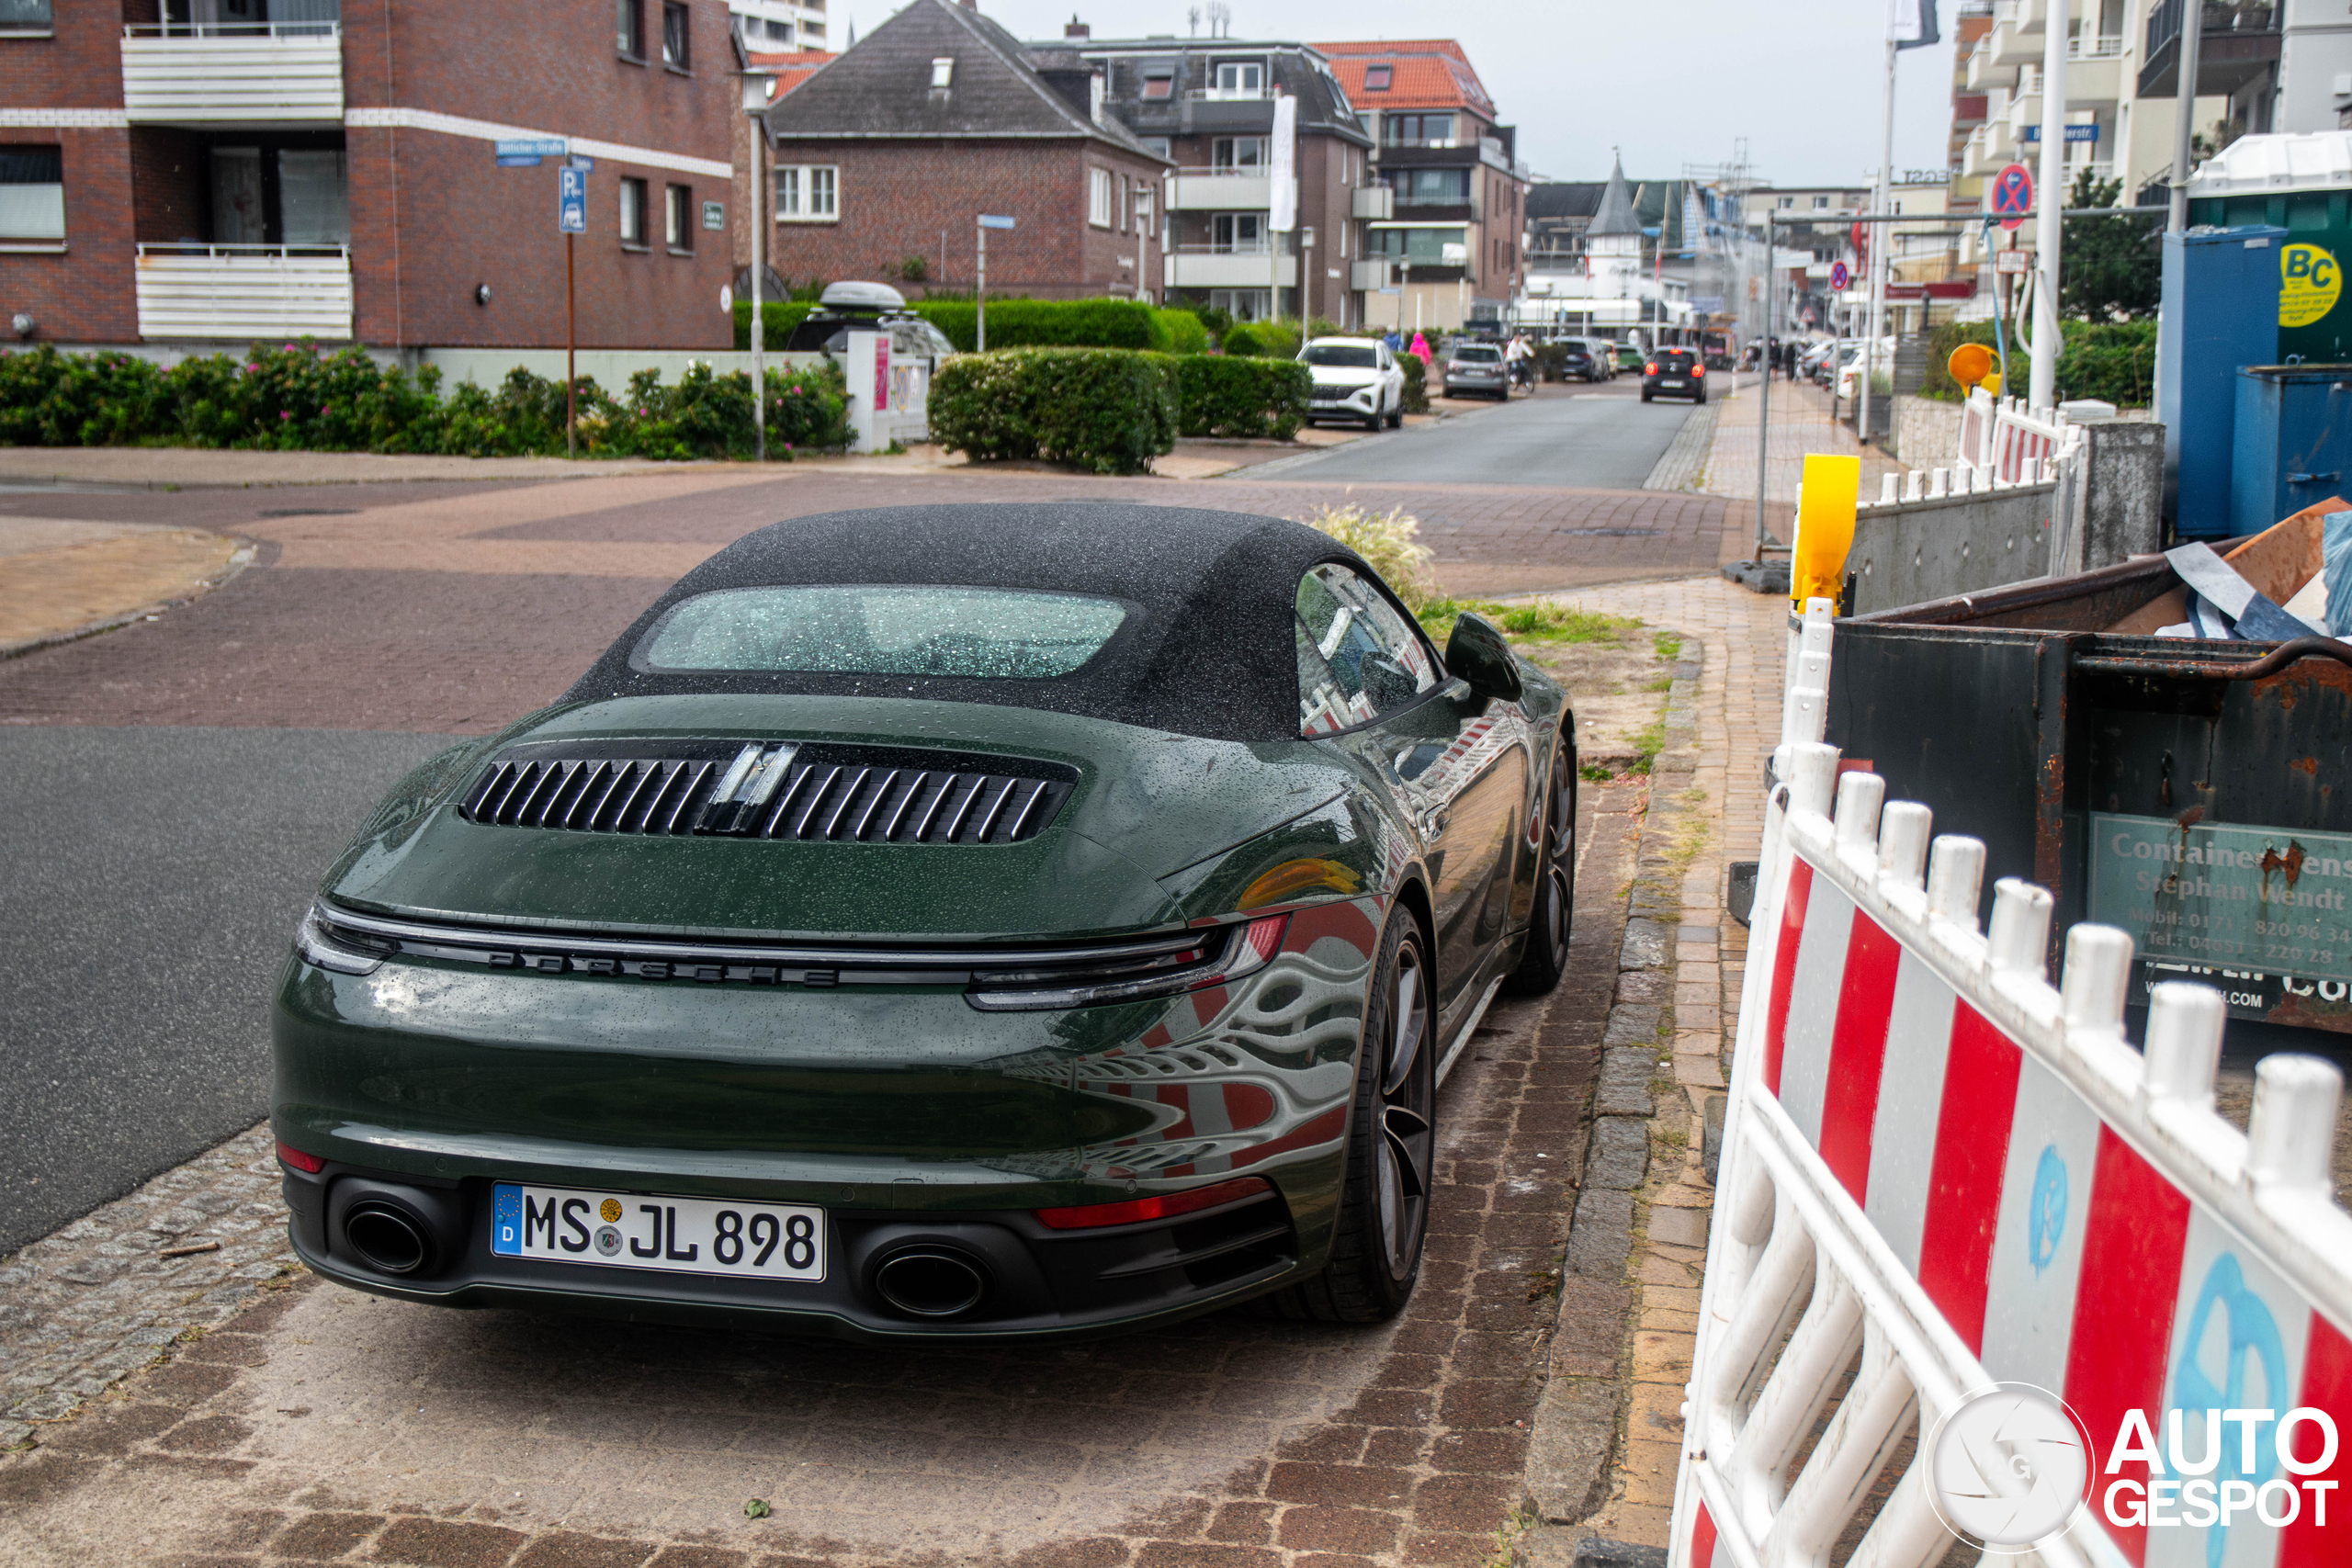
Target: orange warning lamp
x=1969 y=363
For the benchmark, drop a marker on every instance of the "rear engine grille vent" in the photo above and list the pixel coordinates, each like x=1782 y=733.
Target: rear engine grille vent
x=773 y=791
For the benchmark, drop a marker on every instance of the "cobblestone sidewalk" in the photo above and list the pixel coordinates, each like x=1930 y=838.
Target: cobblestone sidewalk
x=1609 y=1429
x=110 y=1293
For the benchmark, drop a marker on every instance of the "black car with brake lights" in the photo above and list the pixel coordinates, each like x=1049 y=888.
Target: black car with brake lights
x=1678 y=372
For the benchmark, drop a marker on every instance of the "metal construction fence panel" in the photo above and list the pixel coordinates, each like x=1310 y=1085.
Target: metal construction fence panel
x=1943 y=1175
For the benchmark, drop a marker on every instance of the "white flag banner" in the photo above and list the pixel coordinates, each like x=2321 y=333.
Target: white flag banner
x=1915 y=24
x=1281 y=167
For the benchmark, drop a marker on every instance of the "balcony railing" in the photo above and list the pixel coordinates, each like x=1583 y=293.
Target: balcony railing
x=2237 y=44
x=1230 y=248
x=243 y=292
x=250 y=73
x=1195 y=267
x=1226 y=94
x=2106 y=46
x=1219 y=189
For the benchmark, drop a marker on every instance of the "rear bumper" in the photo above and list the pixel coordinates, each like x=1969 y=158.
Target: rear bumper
x=1037 y=1282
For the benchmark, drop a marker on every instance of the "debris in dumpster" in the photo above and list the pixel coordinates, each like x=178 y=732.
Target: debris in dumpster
x=2228 y=606
x=2335 y=573
x=2275 y=566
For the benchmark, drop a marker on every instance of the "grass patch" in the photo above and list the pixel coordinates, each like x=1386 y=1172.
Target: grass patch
x=1647 y=746
x=1543 y=621
x=1593 y=772
x=1668 y=645
x=1663 y=683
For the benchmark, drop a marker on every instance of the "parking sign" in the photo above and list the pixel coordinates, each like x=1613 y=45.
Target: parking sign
x=571 y=200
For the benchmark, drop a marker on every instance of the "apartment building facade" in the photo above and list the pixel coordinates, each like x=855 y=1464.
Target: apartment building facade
x=1272 y=187
x=200 y=174
x=1456 y=240
x=883 y=160
x=777 y=25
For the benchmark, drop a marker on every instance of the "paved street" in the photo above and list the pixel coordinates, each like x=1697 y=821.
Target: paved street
x=1600 y=437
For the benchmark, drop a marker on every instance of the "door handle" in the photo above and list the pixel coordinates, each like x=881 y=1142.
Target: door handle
x=1434 y=820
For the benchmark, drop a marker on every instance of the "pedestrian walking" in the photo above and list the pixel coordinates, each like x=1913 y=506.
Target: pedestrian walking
x=1420 y=349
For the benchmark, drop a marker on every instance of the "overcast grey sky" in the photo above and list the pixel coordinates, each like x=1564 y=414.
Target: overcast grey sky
x=1672 y=81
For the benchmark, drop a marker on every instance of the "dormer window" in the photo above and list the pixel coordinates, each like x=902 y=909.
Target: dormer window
x=1158 y=83
x=943 y=71
x=1240 y=80
x=1376 y=78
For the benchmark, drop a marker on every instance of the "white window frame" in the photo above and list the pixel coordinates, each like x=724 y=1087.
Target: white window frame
x=1248 y=79
x=943 y=73
x=1101 y=205
x=32 y=215
x=634 y=200
x=807 y=193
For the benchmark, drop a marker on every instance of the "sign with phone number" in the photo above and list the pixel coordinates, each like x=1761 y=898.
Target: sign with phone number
x=2258 y=900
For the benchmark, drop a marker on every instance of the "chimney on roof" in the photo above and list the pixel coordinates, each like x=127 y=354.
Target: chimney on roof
x=1077 y=28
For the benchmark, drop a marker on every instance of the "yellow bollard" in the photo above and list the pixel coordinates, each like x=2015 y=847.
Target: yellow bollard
x=1825 y=527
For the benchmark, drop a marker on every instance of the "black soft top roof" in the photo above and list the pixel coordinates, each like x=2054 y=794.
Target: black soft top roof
x=1206 y=651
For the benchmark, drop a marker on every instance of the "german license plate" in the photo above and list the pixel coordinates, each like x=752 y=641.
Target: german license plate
x=676 y=1235
x=1669 y=383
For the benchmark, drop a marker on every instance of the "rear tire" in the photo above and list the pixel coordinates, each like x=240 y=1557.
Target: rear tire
x=1544 y=959
x=1392 y=1147
x=1646 y=394
x=1396 y=417
x=1700 y=399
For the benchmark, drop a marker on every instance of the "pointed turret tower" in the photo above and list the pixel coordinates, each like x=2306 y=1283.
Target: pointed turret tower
x=1613 y=247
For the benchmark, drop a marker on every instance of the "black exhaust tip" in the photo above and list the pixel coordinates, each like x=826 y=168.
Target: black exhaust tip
x=931 y=1282
x=387 y=1239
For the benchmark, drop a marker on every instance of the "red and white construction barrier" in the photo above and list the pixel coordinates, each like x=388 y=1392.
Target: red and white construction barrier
x=1942 y=1174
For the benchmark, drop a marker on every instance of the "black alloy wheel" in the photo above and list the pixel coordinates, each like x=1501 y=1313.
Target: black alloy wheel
x=1392 y=1147
x=1544 y=959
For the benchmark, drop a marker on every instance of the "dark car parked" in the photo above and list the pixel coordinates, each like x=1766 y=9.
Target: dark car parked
x=1677 y=371
x=1585 y=360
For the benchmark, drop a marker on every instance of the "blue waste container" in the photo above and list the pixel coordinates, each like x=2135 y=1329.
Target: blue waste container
x=2220 y=312
x=2294 y=441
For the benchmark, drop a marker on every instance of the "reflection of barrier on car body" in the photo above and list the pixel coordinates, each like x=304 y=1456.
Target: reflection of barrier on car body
x=1941 y=1173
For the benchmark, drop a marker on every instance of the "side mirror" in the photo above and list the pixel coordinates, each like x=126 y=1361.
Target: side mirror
x=1477 y=653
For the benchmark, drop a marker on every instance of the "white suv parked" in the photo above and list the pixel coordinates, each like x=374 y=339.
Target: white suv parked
x=1355 y=378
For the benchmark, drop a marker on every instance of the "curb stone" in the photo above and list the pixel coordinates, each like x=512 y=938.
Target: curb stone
x=1575 y=1431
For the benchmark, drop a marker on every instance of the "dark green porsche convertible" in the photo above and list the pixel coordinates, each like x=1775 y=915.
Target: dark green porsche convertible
x=988 y=921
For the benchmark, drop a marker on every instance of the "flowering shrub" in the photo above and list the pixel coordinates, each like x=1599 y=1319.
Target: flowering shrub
x=299 y=397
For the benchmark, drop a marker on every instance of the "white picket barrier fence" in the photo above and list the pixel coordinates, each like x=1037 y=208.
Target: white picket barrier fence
x=1941 y=1173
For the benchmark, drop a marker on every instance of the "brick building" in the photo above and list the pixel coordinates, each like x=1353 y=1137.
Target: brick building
x=1214 y=107
x=188 y=173
x=886 y=155
x=1457 y=234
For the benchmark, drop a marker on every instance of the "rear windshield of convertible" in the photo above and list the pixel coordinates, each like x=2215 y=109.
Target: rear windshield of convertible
x=883 y=629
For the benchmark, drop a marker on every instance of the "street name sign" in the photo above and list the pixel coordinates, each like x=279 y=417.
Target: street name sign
x=990 y=220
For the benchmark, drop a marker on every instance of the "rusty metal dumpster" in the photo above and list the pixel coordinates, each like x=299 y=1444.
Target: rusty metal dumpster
x=2196 y=794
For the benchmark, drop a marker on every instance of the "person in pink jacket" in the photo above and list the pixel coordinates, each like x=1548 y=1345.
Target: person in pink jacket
x=1420 y=349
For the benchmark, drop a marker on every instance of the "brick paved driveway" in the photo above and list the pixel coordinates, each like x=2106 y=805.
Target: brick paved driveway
x=375 y=607
x=324 y=1423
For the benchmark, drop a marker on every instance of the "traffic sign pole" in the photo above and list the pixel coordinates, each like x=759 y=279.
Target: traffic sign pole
x=986 y=221
x=570 y=361
x=572 y=217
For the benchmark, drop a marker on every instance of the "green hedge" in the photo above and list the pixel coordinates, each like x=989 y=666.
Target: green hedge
x=1020 y=324
x=1248 y=398
x=1050 y=323
x=1102 y=410
x=780 y=317
x=2115 y=362
x=1186 y=332
x=300 y=397
x=1417 y=383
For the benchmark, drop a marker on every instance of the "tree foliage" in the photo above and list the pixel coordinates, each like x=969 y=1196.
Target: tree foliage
x=2110 y=269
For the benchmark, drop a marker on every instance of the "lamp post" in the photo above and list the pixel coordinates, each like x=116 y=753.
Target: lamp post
x=754 y=100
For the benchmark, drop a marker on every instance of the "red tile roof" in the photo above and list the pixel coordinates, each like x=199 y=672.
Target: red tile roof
x=791 y=67
x=1425 y=73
